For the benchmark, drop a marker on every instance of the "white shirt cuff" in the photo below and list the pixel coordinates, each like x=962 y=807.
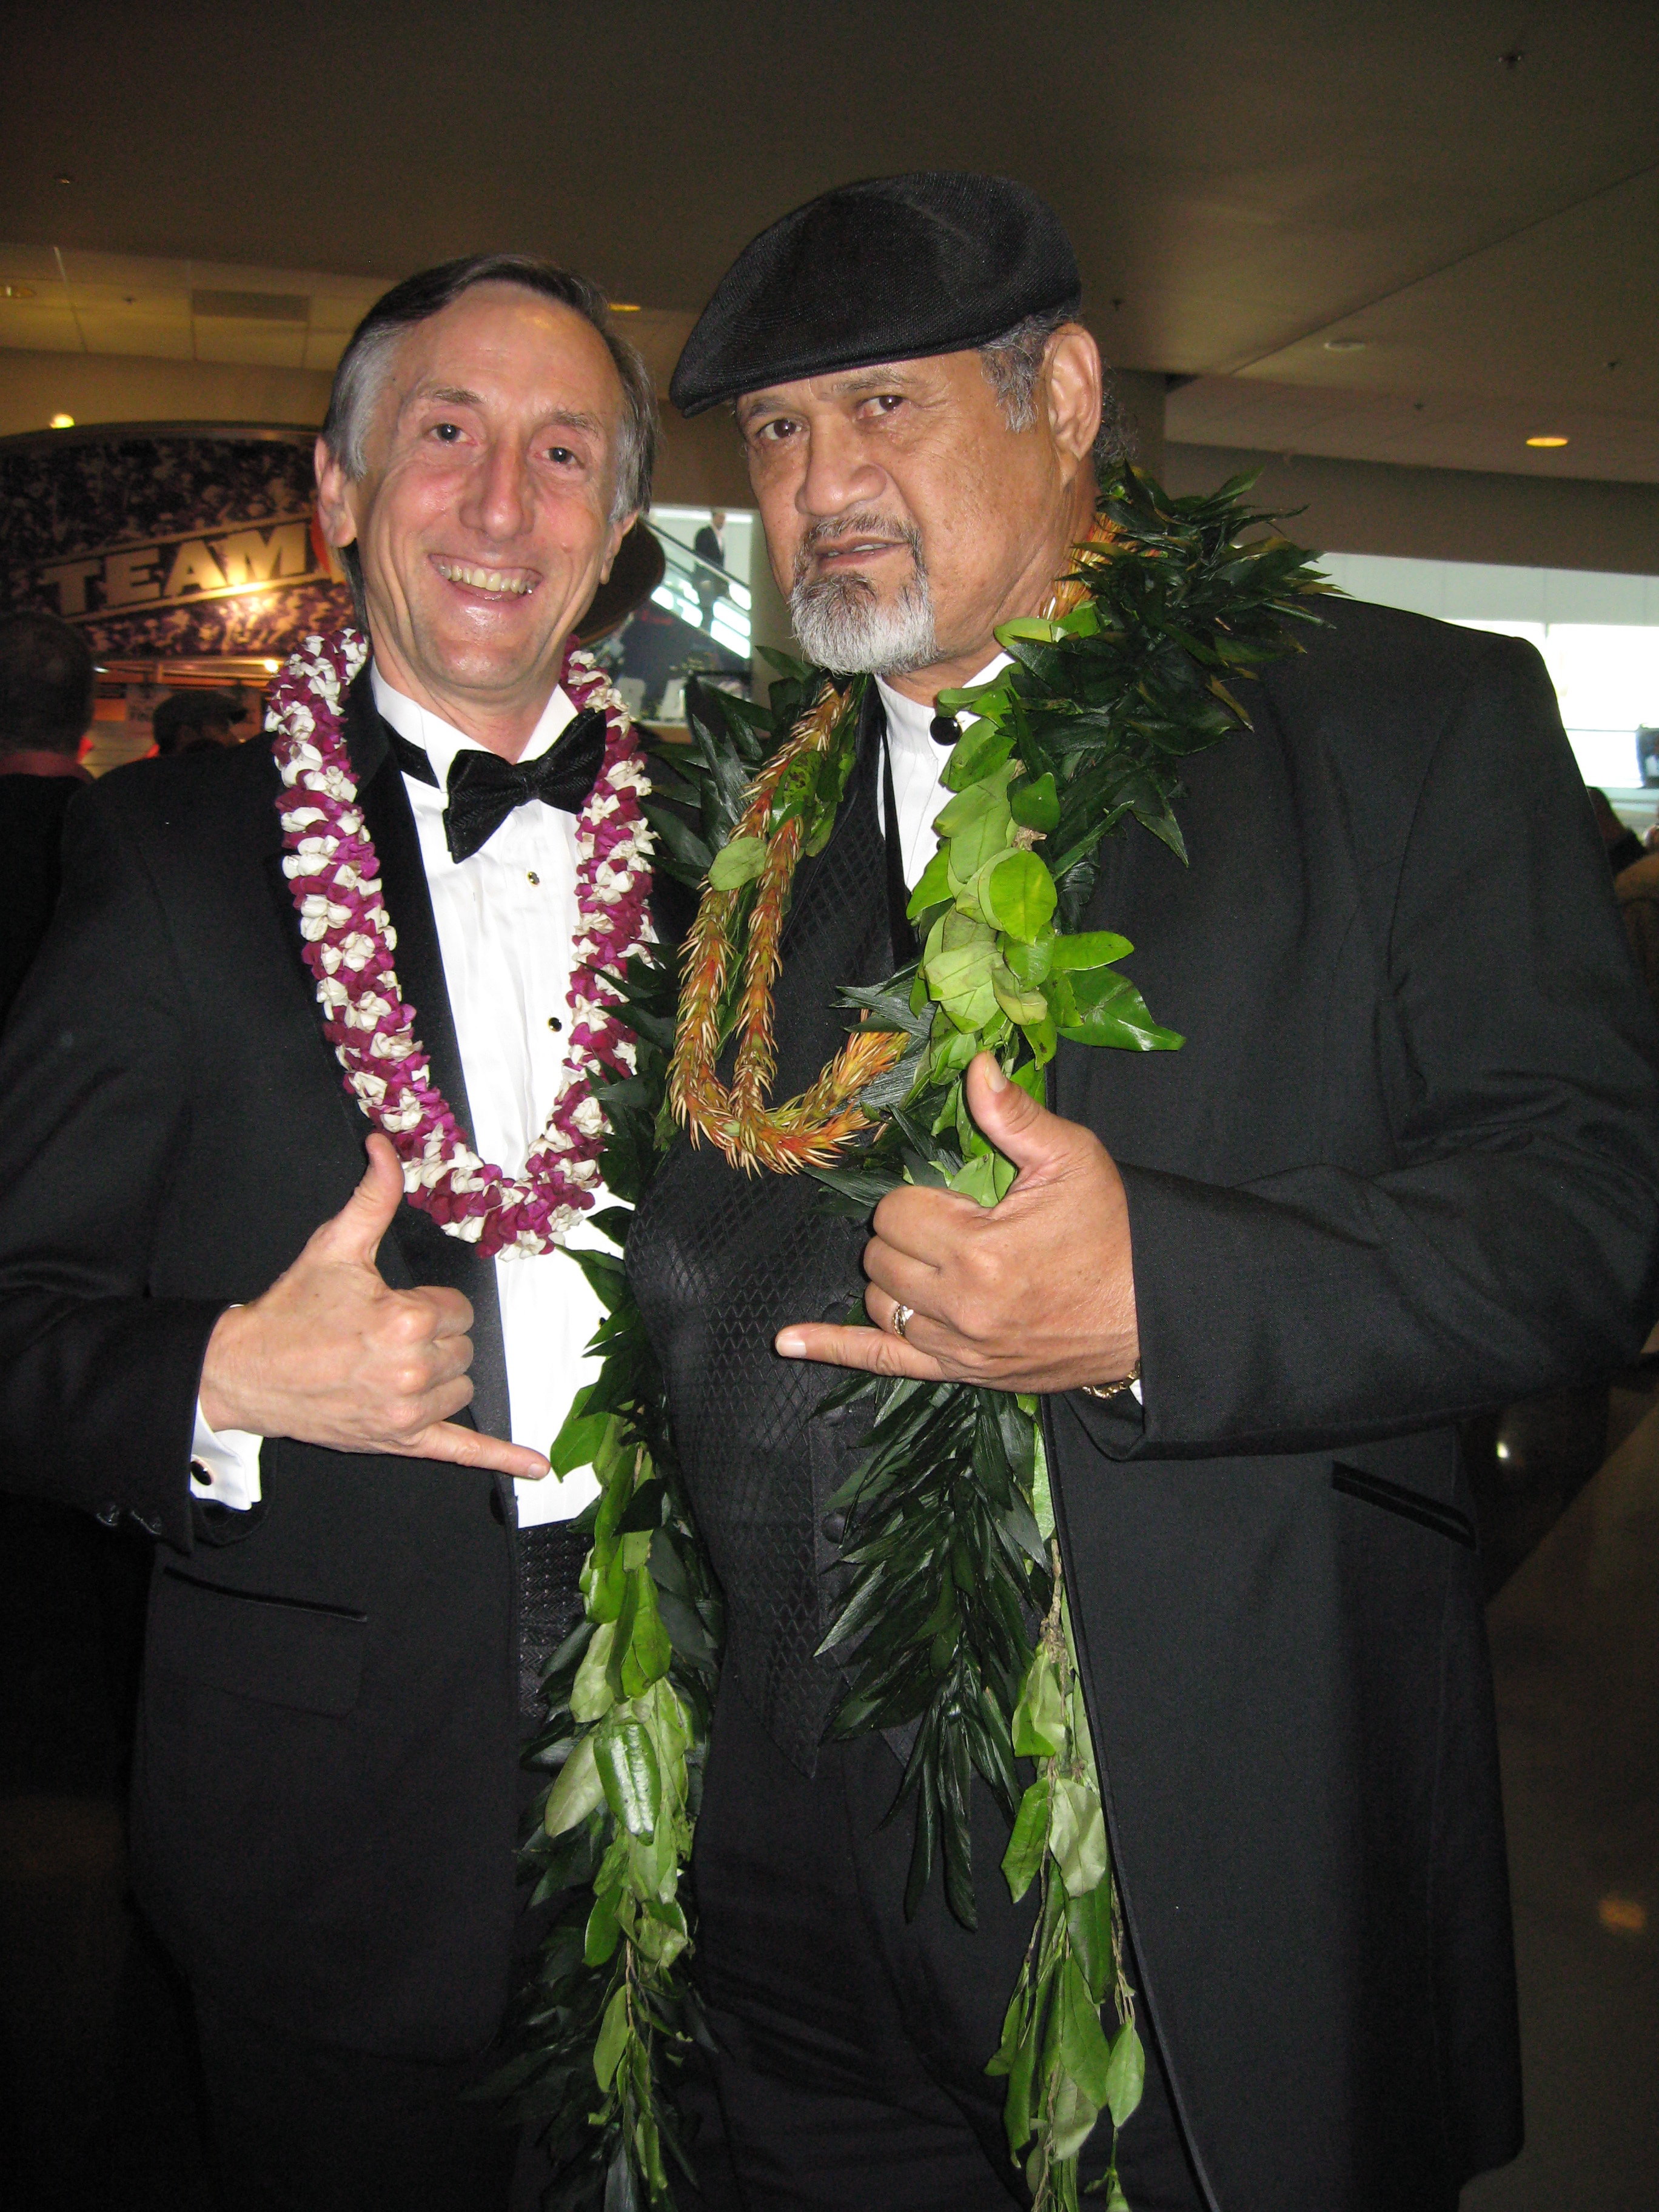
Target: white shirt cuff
x=224 y=1465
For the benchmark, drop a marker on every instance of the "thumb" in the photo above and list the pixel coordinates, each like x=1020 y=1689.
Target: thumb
x=1022 y=1130
x=355 y=1232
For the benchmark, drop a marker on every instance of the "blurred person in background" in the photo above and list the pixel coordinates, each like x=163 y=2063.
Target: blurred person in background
x=195 y=721
x=48 y=683
x=1623 y=845
x=1636 y=890
x=709 y=544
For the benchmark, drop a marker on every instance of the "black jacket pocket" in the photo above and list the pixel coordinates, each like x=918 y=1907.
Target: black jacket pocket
x=1412 y=1504
x=280 y=1652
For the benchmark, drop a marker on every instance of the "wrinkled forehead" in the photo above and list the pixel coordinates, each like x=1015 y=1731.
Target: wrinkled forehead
x=501 y=347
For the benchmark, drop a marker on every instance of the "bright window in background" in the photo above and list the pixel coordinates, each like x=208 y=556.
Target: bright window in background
x=1598 y=635
x=721 y=605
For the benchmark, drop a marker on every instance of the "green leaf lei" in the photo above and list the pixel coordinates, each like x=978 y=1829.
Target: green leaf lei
x=955 y=1621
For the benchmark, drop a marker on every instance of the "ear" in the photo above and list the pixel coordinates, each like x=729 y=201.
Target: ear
x=333 y=499
x=1072 y=383
x=618 y=532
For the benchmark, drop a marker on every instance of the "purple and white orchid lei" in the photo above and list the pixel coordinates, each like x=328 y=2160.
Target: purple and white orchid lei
x=331 y=864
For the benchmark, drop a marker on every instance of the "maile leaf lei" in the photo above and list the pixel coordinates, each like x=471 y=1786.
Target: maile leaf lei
x=955 y=1622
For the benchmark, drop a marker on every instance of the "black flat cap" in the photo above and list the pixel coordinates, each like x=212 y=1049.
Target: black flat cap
x=888 y=269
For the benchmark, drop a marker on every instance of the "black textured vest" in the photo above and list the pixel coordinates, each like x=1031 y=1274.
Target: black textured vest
x=720 y=1260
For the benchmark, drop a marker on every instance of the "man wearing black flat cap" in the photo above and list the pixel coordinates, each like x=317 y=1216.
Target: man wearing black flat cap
x=1405 y=1166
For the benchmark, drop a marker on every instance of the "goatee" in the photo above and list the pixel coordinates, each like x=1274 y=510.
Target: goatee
x=840 y=621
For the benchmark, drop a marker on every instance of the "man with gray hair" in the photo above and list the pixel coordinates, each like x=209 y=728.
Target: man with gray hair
x=1404 y=1166
x=334 y=1418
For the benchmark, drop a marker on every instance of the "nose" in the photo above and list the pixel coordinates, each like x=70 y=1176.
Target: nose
x=838 y=476
x=499 y=494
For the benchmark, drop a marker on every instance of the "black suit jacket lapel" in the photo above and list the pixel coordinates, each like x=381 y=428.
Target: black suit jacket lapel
x=428 y=1254
x=862 y=786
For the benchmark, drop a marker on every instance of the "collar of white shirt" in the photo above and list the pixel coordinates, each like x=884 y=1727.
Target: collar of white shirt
x=918 y=766
x=441 y=741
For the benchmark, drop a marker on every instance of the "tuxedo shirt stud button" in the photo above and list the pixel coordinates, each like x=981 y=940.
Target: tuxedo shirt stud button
x=530 y=877
x=554 y=1023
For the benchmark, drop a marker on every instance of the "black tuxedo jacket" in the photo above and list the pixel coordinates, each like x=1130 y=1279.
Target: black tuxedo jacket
x=1405 y=1166
x=32 y=809
x=324 y=1818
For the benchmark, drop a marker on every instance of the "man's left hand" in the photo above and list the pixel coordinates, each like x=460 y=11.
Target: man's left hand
x=1035 y=1293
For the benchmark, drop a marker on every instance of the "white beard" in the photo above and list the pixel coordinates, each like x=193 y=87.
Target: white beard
x=842 y=624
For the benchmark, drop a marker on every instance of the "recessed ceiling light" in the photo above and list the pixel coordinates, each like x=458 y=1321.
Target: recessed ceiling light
x=1622 y=1916
x=1345 y=345
x=63 y=421
x=1547 y=441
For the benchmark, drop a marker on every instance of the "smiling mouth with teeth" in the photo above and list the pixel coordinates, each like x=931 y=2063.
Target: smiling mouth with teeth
x=484 y=579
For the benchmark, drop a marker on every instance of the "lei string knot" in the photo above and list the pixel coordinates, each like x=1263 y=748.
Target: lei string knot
x=348 y=941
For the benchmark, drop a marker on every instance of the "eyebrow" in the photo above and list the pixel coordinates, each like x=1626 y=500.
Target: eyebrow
x=882 y=376
x=454 y=395
x=446 y=395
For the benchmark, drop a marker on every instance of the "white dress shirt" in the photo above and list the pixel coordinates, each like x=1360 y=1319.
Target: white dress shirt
x=918 y=766
x=506 y=918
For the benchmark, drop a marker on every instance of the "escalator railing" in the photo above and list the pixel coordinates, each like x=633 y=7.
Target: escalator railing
x=723 y=616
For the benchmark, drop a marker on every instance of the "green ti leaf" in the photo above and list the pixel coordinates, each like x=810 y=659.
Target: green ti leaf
x=1089 y=1926
x=1023 y=1860
x=1026 y=1007
x=1029 y=962
x=1039 y=1722
x=1036 y=805
x=1077 y=1834
x=1018 y=895
x=1100 y=1007
x=1088 y=948
x=604 y=1930
x=576 y=1793
x=738 y=862
x=612 y=2039
x=649 y=1653
x=978 y=753
x=1125 y=2075
x=1083 y=2050
x=627 y=1763
x=933 y=888
x=580 y=1439
x=591 y=1695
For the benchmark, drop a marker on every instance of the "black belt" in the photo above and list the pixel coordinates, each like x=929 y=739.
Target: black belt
x=549 y=1556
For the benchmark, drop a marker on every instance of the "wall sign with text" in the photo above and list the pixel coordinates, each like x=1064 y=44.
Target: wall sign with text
x=168 y=540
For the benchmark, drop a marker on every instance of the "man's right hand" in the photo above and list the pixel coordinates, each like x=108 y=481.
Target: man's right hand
x=330 y=1356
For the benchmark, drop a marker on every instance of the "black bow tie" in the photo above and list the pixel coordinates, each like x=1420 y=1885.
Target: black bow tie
x=484 y=789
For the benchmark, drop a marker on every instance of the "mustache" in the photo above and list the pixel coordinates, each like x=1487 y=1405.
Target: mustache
x=835 y=529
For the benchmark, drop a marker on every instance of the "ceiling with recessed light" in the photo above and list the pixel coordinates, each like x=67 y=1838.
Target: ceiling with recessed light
x=1420 y=231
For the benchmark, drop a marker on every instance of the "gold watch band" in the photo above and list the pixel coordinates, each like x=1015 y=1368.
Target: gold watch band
x=1112 y=1389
